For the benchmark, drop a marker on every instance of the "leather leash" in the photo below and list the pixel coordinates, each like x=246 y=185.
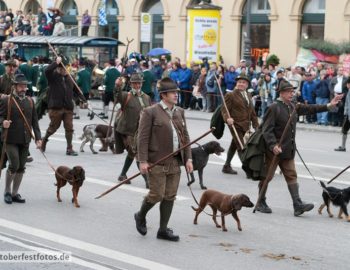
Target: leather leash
x=196 y=201
x=313 y=177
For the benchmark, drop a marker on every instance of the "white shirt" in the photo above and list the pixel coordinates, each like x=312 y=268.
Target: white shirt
x=176 y=143
x=338 y=87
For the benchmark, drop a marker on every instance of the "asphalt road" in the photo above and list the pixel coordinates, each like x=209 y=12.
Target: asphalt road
x=102 y=235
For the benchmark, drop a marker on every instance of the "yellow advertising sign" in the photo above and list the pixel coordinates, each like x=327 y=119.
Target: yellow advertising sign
x=203 y=30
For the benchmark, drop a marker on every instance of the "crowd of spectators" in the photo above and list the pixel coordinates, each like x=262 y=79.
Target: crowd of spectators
x=199 y=84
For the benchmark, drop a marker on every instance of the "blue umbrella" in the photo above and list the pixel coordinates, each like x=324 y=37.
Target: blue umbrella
x=158 y=51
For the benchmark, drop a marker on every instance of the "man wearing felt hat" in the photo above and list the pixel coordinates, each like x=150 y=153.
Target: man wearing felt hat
x=162 y=130
x=18 y=136
x=126 y=126
x=6 y=80
x=242 y=116
x=60 y=102
x=274 y=123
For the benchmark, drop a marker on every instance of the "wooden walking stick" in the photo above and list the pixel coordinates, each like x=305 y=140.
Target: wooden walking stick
x=123 y=69
x=3 y=150
x=156 y=163
x=228 y=113
x=270 y=171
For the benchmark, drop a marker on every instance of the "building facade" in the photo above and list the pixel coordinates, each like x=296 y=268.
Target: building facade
x=276 y=26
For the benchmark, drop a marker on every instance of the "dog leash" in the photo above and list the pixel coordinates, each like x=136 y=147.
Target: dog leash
x=196 y=201
x=33 y=137
x=313 y=177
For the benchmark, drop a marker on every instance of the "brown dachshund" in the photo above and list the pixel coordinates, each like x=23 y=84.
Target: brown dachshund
x=75 y=177
x=226 y=204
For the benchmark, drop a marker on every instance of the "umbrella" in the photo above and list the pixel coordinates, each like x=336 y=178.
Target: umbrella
x=59 y=12
x=158 y=51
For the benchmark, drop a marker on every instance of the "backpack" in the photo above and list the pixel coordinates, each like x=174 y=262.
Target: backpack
x=218 y=122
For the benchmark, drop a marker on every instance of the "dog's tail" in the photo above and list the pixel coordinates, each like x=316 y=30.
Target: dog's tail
x=323 y=185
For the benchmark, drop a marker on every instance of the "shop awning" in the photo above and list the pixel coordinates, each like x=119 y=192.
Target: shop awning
x=66 y=41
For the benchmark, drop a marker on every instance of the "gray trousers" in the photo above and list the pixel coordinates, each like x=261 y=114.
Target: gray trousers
x=17 y=157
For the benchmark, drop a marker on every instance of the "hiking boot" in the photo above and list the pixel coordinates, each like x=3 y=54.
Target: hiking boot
x=29 y=159
x=71 y=152
x=18 y=199
x=228 y=169
x=299 y=206
x=263 y=207
x=122 y=178
x=340 y=149
x=140 y=224
x=167 y=234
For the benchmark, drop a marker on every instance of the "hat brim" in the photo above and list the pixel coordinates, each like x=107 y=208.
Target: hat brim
x=244 y=79
x=23 y=82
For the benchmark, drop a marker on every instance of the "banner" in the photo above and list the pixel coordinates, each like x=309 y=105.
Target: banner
x=146 y=26
x=203 y=29
x=102 y=16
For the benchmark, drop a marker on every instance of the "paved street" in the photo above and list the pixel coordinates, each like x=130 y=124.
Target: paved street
x=102 y=235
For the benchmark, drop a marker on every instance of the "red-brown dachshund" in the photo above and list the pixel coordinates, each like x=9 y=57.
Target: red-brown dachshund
x=226 y=204
x=75 y=177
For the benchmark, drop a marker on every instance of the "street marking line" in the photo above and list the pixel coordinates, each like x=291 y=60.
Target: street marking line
x=85 y=246
x=126 y=187
x=75 y=260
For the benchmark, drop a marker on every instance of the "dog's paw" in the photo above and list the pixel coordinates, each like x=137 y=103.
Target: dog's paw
x=203 y=187
x=331 y=215
x=82 y=151
x=240 y=229
x=218 y=226
x=59 y=200
x=340 y=216
x=77 y=205
x=95 y=152
x=224 y=229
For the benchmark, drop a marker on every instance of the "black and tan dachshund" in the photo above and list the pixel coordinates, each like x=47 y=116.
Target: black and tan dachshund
x=338 y=197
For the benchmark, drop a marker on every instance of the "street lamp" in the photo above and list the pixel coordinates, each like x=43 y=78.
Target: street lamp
x=247 y=40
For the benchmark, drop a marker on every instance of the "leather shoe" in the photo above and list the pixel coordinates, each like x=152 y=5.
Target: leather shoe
x=18 y=199
x=140 y=224
x=8 y=198
x=228 y=169
x=71 y=152
x=122 y=178
x=340 y=149
x=263 y=207
x=168 y=234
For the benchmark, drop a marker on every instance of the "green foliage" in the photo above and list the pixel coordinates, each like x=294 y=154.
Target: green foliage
x=327 y=47
x=272 y=60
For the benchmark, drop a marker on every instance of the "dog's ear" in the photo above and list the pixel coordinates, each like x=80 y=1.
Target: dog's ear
x=236 y=202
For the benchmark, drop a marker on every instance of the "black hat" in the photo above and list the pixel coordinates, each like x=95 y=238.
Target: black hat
x=242 y=77
x=136 y=77
x=167 y=85
x=20 y=79
x=285 y=85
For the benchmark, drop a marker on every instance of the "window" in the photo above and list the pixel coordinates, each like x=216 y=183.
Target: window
x=263 y=5
x=312 y=25
x=32 y=6
x=3 y=6
x=155 y=8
